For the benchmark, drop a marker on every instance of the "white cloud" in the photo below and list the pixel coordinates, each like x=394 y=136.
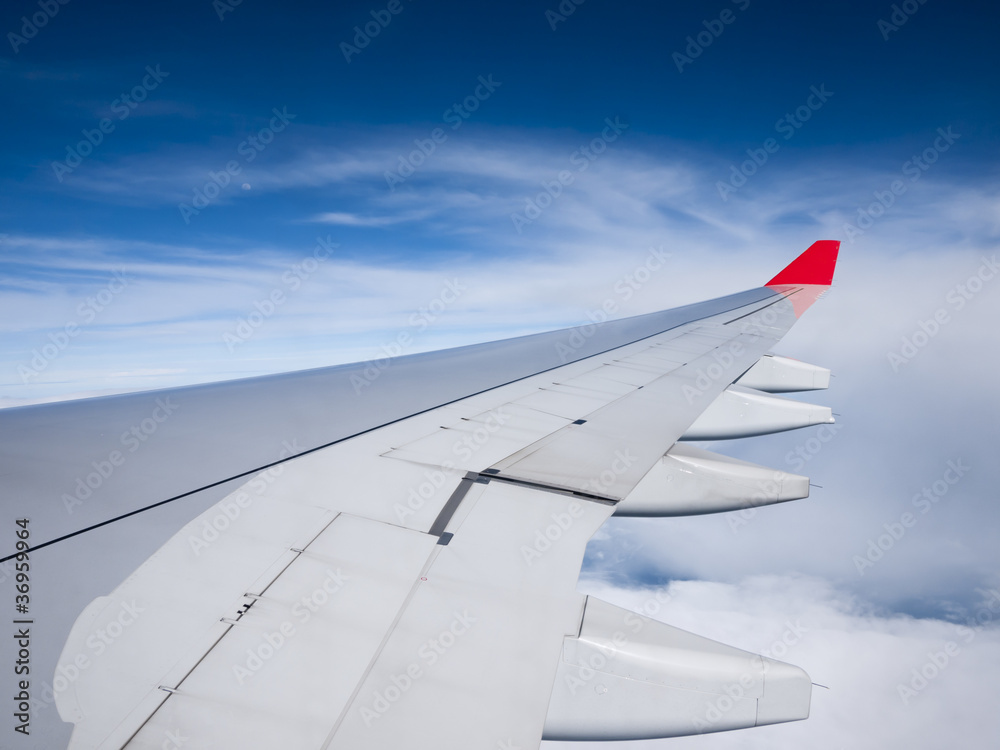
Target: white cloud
x=354 y=220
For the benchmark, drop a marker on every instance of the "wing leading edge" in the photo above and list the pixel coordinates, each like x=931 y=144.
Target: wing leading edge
x=414 y=585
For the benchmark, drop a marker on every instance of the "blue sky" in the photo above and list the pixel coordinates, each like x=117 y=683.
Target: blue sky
x=224 y=77
x=794 y=122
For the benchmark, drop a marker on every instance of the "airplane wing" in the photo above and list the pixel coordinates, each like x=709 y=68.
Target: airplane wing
x=401 y=574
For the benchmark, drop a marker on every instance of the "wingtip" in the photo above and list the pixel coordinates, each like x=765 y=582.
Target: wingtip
x=815 y=266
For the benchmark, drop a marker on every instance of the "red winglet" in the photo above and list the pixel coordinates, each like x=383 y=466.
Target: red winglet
x=814 y=266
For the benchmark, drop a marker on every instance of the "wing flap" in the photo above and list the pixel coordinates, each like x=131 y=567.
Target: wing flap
x=169 y=611
x=471 y=661
x=285 y=669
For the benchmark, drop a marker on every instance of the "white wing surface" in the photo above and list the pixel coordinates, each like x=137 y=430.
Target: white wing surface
x=412 y=585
